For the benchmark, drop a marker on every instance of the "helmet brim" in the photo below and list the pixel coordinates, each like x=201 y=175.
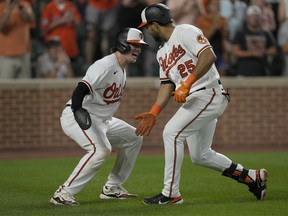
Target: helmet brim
x=137 y=42
x=142 y=24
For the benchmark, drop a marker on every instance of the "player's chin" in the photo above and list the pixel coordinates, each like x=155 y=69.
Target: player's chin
x=133 y=59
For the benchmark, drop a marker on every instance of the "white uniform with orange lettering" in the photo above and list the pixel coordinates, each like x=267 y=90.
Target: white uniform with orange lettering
x=195 y=121
x=106 y=81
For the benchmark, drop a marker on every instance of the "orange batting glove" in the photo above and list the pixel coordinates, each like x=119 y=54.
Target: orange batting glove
x=148 y=120
x=181 y=93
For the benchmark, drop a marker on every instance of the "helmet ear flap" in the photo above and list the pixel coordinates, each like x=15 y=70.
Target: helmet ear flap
x=121 y=43
x=123 y=48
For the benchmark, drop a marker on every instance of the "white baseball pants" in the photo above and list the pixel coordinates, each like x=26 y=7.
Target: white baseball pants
x=195 y=122
x=98 y=141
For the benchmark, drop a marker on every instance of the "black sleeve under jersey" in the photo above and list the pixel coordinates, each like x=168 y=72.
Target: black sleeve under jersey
x=78 y=95
x=168 y=82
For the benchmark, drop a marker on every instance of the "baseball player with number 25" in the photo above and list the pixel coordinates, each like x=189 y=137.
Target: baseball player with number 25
x=88 y=120
x=187 y=71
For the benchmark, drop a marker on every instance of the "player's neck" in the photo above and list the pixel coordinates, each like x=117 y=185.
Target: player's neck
x=167 y=31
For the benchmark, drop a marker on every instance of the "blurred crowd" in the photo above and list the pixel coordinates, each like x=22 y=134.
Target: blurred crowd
x=61 y=38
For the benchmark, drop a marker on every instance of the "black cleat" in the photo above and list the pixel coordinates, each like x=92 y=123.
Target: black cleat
x=160 y=199
x=258 y=188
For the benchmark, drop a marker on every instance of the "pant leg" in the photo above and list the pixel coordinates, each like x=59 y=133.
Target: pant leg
x=8 y=67
x=122 y=136
x=199 y=145
x=94 y=141
x=202 y=108
x=25 y=67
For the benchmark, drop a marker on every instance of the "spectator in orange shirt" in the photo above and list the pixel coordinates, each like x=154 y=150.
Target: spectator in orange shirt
x=59 y=18
x=15 y=41
x=101 y=17
x=213 y=26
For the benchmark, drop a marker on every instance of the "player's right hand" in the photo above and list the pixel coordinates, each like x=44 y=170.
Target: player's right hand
x=147 y=121
x=181 y=93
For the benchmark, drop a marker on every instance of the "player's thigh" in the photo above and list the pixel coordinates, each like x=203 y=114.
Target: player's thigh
x=189 y=119
x=25 y=71
x=7 y=68
x=95 y=136
x=120 y=132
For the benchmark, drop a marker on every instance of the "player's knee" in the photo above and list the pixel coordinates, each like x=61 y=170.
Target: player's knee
x=196 y=159
x=168 y=132
x=99 y=157
x=138 y=142
x=200 y=158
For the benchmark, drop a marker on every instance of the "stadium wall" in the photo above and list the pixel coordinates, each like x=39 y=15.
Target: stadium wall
x=255 y=119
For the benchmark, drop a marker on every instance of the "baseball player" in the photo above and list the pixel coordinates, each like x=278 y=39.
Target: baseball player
x=187 y=71
x=88 y=120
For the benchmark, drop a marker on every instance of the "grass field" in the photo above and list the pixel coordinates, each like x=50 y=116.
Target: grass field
x=27 y=185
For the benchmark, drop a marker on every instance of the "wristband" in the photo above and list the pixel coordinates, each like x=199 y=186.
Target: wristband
x=155 y=110
x=190 y=80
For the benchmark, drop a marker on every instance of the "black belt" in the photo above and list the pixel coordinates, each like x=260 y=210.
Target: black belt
x=204 y=88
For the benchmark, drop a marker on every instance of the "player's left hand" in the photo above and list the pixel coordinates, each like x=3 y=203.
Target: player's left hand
x=146 y=124
x=83 y=118
x=181 y=93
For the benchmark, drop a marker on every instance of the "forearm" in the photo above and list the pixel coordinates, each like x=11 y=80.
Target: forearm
x=237 y=52
x=164 y=95
x=285 y=48
x=78 y=95
x=5 y=18
x=271 y=51
x=26 y=13
x=53 y=25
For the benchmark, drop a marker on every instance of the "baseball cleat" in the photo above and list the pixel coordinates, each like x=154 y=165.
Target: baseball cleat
x=62 y=197
x=160 y=199
x=259 y=186
x=116 y=192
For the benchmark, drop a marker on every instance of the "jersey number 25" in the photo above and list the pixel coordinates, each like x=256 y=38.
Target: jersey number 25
x=187 y=65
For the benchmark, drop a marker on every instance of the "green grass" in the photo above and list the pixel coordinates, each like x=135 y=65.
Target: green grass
x=27 y=185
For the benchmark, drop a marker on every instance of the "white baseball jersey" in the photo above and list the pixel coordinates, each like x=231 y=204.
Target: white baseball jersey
x=179 y=55
x=106 y=81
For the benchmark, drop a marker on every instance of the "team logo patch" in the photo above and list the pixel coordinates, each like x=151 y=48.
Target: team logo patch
x=201 y=39
x=141 y=36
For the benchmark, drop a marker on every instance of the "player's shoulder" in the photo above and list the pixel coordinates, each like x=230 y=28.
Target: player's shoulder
x=103 y=64
x=180 y=29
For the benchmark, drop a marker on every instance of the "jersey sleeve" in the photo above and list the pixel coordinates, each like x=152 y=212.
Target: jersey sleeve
x=194 y=40
x=93 y=76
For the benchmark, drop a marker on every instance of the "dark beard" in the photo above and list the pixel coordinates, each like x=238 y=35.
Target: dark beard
x=157 y=38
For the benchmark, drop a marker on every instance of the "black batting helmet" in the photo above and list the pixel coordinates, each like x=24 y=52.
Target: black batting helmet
x=126 y=36
x=159 y=13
